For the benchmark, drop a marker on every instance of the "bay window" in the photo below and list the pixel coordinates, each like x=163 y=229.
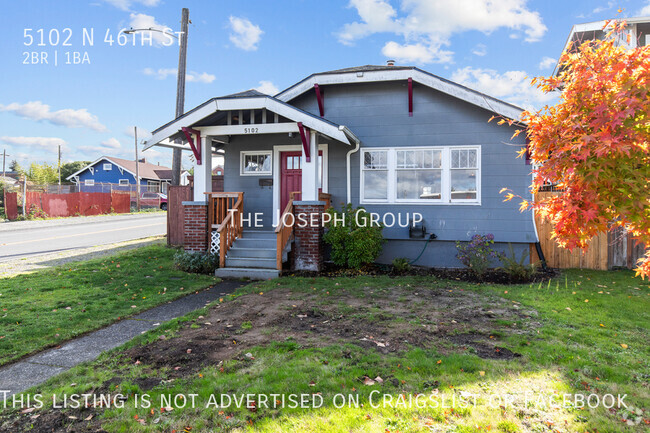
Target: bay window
x=426 y=175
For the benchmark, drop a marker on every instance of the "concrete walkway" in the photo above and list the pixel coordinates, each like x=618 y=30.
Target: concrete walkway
x=38 y=368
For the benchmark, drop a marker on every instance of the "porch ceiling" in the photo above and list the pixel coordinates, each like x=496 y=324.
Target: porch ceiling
x=250 y=115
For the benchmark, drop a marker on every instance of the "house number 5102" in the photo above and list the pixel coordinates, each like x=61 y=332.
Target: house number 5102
x=251 y=130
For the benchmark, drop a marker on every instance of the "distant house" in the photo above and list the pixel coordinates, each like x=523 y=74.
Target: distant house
x=122 y=172
x=636 y=33
x=10 y=178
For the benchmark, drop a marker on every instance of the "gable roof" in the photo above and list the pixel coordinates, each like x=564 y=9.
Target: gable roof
x=375 y=73
x=242 y=101
x=146 y=170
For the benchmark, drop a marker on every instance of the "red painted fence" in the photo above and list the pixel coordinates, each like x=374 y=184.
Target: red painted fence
x=11 y=205
x=76 y=203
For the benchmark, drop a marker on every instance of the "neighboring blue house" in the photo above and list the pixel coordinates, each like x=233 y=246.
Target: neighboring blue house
x=117 y=172
x=393 y=139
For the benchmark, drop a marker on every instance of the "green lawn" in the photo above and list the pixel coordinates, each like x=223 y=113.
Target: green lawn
x=583 y=332
x=48 y=307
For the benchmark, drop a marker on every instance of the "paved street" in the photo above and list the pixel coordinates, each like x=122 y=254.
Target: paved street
x=28 y=239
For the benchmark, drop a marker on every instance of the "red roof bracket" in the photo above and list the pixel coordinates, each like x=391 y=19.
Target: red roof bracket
x=304 y=135
x=196 y=148
x=410 y=97
x=319 y=98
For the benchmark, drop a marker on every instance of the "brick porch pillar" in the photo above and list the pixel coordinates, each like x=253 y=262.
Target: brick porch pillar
x=308 y=240
x=195 y=226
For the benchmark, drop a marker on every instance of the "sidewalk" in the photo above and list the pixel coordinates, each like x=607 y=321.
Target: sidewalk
x=54 y=222
x=38 y=368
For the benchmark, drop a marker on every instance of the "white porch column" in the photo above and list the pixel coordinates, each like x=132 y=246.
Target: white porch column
x=310 y=171
x=203 y=172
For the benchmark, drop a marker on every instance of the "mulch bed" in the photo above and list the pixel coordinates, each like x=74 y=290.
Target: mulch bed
x=494 y=276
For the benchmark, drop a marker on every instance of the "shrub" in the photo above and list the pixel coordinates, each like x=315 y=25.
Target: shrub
x=196 y=262
x=517 y=269
x=401 y=265
x=354 y=239
x=477 y=253
x=35 y=212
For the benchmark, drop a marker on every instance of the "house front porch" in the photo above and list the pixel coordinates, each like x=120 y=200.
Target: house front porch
x=276 y=167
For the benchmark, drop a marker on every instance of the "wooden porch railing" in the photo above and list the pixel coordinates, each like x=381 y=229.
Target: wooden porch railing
x=284 y=232
x=224 y=216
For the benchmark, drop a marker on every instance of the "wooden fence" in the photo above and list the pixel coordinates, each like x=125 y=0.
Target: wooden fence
x=176 y=195
x=605 y=251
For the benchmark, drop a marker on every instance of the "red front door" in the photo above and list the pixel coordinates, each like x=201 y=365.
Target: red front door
x=290 y=176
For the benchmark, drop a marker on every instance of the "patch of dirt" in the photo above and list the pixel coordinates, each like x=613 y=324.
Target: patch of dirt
x=386 y=320
x=389 y=322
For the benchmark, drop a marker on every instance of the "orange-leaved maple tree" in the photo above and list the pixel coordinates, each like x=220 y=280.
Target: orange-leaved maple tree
x=594 y=143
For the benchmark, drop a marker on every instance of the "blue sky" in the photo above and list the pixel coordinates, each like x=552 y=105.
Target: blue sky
x=91 y=108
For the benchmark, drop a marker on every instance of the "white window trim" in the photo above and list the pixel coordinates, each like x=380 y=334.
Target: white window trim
x=89 y=182
x=110 y=166
x=126 y=182
x=445 y=178
x=243 y=154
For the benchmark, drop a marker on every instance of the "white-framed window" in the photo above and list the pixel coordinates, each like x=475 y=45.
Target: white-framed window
x=255 y=163
x=153 y=186
x=124 y=182
x=421 y=175
x=89 y=182
x=107 y=166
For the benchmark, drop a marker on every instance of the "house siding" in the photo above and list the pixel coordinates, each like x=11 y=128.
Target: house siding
x=378 y=114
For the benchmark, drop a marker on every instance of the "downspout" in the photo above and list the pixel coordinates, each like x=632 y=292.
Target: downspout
x=357 y=143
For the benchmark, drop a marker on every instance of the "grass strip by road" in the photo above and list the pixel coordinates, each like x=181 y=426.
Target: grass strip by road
x=583 y=332
x=46 y=308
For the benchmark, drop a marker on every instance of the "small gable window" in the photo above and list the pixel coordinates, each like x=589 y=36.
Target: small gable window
x=108 y=167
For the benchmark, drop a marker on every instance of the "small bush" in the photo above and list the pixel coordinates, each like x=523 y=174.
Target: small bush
x=517 y=269
x=196 y=262
x=477 y=253
x=401 y=265
x=354 y=239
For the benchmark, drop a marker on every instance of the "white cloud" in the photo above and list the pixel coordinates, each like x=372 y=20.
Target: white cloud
x=36 y=110
x=112 y=143
x=143 y=21
x=547 y=62
x=426 y=26
x=600 y=9
x=245 y=35
x=511 y=86
x=479 y=50
x=645 y=10
x=125 y=5
x=204 y=77
x=50 y=144
x=267 y=87
x=416 y=53
x=190 y=77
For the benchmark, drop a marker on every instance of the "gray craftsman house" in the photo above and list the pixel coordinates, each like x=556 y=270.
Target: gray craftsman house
x=405 y=144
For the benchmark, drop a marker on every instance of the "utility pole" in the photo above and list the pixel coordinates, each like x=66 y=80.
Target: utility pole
x=59 y=169
x=137 y=170
x=180 y=91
